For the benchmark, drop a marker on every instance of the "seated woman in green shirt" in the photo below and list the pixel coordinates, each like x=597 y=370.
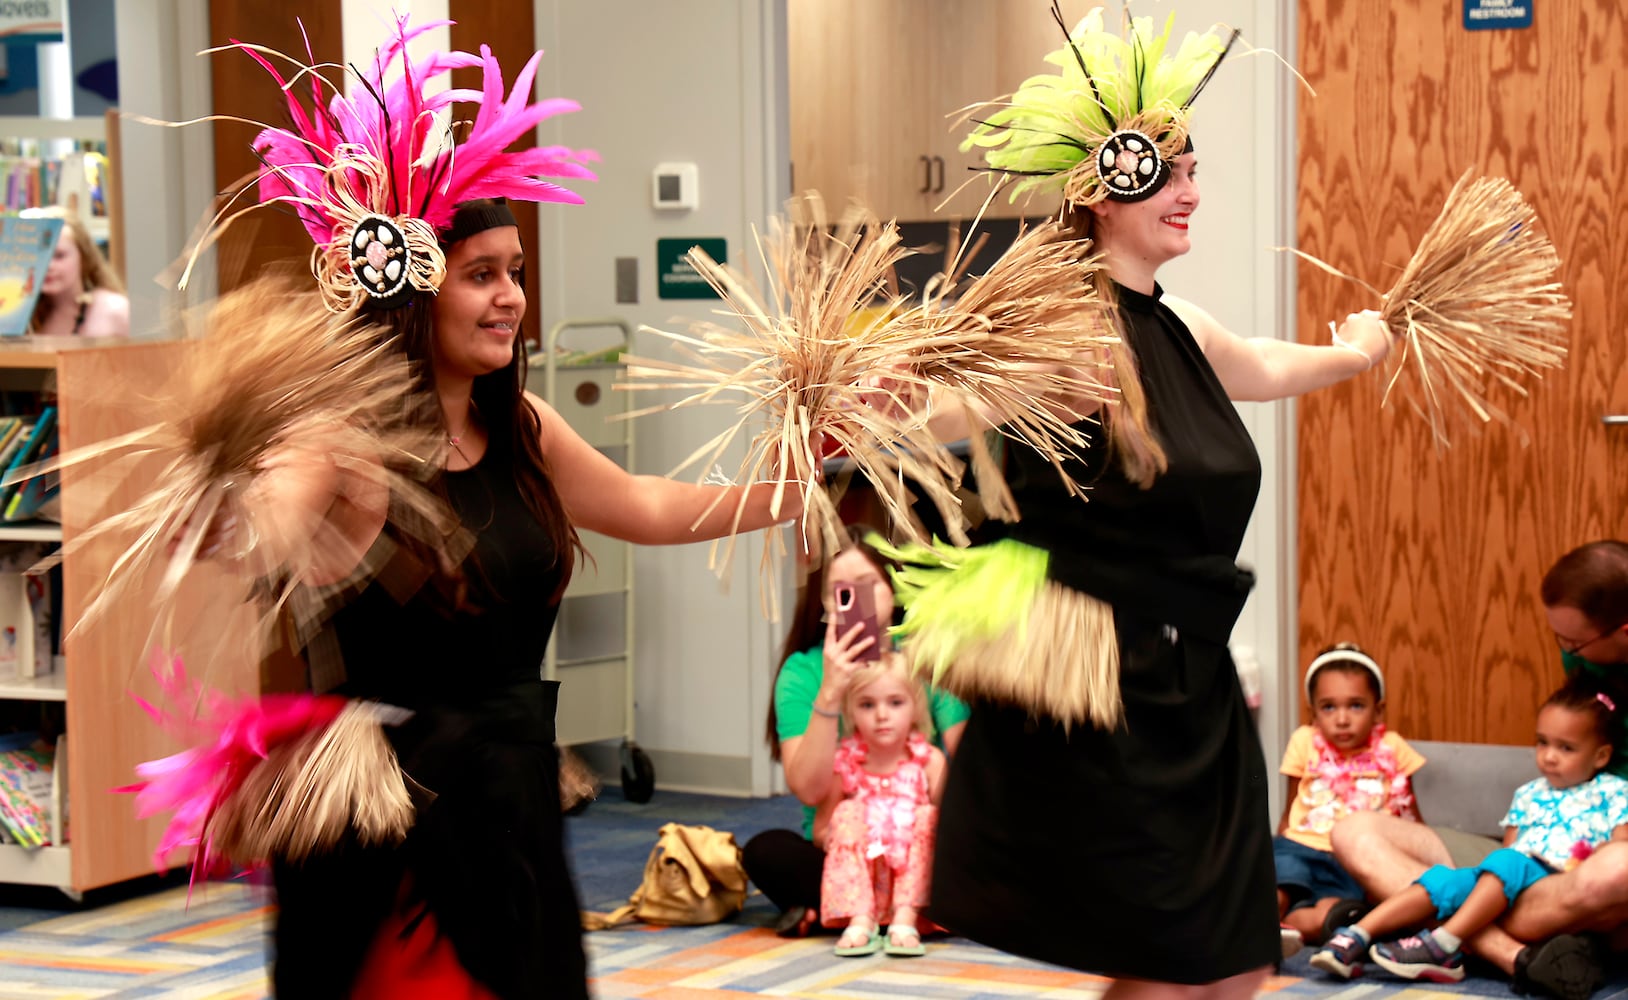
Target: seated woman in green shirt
x=805 y=724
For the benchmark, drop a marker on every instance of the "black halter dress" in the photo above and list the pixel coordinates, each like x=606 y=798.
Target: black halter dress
x=487 y=856
x=1144 y=852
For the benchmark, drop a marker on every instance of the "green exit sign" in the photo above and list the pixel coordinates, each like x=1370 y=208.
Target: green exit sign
x=675 y=278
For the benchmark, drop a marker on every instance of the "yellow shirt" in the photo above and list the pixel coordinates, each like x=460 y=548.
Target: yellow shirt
x=1334 y=784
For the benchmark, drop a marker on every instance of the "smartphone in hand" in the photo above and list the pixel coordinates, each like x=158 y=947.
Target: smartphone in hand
x=856 y=604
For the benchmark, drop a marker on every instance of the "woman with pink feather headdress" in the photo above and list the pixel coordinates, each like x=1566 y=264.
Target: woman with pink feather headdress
x=424 y=561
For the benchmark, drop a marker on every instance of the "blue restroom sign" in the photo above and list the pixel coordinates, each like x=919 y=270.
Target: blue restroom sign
x=1483 y=15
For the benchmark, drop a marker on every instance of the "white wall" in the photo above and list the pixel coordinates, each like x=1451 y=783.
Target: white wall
x=1243 y=132
x=699 y=82
x=168 y=173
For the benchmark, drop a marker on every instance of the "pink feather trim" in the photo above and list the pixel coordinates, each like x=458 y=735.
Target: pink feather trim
x=229 y=737
x=394 y=114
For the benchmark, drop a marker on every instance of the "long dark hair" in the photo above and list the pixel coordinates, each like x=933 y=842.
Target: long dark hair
x=808 y=618
x=512 y=425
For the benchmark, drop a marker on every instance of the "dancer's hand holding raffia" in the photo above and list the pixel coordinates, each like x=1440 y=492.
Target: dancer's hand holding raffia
x=833 y=355
x=280 y=429
x=1476 y=308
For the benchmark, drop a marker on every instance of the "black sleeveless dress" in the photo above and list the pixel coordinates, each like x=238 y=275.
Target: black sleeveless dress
x=1144 y=852
x=487 y=856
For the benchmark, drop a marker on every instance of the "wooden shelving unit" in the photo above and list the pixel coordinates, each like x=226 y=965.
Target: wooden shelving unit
x=102 y=392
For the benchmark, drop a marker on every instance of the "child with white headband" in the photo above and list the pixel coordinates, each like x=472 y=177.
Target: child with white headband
x=1554 y=821
x=1344 y=761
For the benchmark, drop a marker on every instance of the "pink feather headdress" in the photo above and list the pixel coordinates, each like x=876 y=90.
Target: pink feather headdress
x=375 y=176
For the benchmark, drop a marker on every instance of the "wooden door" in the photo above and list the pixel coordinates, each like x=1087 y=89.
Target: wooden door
x=860 y=79
x=876 y=87
x=963 y=37
x=509 y=30
x=1432 y=560
x=1014 y=39
x=242 y=89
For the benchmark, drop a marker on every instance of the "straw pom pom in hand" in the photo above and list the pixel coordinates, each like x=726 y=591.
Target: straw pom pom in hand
x=833 y=355
x=1476 y=308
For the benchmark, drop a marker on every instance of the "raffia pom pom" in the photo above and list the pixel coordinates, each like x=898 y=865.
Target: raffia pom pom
x=1475 y=311
x=310 y=793
x=828 y=357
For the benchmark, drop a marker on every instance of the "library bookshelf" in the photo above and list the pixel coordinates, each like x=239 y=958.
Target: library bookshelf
x=104 y=390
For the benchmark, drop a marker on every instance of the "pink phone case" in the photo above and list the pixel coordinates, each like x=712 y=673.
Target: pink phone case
x=858 y=604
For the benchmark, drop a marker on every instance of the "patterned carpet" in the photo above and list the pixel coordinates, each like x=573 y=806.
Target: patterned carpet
x=153 y=944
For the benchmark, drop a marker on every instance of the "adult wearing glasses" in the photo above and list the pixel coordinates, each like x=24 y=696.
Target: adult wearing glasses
x=1550 y=942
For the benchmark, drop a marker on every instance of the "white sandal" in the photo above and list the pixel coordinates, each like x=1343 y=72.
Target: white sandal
x=909 y=933
x=870 y=944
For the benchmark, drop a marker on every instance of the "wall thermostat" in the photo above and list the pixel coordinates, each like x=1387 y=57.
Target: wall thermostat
x=675 y=185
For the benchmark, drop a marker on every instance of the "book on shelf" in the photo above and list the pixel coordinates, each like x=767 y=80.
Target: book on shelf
x=33 y=493
x=26 y=247
x=26 y=767
x=27 y=610
x=39 y=436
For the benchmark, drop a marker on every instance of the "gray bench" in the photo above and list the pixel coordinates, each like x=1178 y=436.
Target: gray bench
x=1464 y=790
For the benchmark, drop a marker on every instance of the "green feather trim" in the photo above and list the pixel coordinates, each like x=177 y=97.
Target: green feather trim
x=957 y=599
x=989 y=626
x=1046 y=131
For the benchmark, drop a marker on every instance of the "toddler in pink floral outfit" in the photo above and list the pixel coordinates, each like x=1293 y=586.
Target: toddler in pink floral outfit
x=879 y=838
x=1343 y=762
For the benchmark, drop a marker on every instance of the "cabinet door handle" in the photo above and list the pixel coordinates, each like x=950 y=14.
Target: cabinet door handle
x=1614 y=419
x=939 y=187
x=927 y=175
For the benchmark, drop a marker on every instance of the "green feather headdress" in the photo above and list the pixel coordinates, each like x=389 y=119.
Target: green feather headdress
x=1109 y=122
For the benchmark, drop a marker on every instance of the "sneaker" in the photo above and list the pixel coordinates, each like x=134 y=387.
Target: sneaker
x=1419 y=957
x=1341 y=954
x=1292 y=941
x=1566 y=966
x=1343 y=913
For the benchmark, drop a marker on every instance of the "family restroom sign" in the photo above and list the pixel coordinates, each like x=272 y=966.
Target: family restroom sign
x=1482 y=15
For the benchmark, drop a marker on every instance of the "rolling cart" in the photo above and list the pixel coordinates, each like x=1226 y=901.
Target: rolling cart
x=591 y=653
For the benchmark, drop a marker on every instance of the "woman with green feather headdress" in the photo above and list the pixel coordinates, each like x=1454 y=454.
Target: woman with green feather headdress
x=1107 y=808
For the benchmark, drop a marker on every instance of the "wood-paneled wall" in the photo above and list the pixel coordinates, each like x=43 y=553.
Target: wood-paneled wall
x=1432 y=560
x=240 y=87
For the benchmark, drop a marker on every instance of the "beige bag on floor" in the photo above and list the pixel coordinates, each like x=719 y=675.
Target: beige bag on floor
x=693 y=876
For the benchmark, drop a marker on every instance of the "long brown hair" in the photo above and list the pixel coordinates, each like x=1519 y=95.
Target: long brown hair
x=94 y=270
x=808 y=617
x=1131 y=439
x=512 y=424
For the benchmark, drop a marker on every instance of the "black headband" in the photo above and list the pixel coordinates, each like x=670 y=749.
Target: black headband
x=477 y=218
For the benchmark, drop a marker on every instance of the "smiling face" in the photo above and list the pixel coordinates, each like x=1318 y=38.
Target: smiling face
x=1344 y=707
x=1141 y=235
x=480 y=304
x=1569 y=747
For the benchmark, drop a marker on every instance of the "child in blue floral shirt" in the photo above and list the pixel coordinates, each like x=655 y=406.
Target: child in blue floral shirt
x=1553 y=823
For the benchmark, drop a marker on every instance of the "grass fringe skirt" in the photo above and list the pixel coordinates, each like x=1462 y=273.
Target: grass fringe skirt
x=985 y=623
